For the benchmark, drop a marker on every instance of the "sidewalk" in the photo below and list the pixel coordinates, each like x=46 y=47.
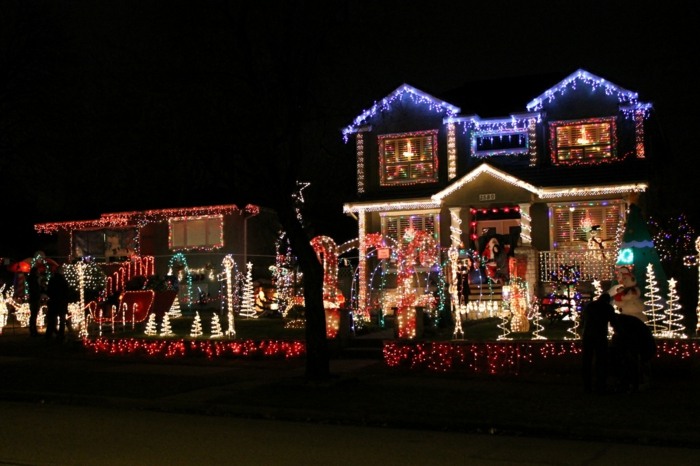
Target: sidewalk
x=361 y=391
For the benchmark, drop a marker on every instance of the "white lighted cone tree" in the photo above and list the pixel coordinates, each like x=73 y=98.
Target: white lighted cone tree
x=672 y=326
x=573 y=330
x=537 y=322
x=216 y=327
x=165 y=329
x=174 y=312
x=504 y=324
x=653 y=304
x=196 y=330
x=151 y=325
x=248 y=303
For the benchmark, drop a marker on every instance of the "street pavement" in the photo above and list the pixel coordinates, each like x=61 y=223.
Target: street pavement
x=115 y=410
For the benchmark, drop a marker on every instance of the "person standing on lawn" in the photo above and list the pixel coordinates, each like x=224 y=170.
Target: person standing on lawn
x=37 y=290
x=596 y=317
x=58 y=292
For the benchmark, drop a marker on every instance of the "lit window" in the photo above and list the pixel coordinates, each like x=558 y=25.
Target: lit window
x=572 y=224
x=397 y=227
x=408 y=158
x=187 y=233
x=486 y=144
x=583 y=141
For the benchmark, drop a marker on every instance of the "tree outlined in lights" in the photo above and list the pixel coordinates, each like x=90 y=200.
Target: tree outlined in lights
x=151 y=325
x=672 y=327
x=165 y=328
x=248 y=303
x=196 y=326
x=537 y=321
x=652 y=304
x=174 y=312
x=216 y=327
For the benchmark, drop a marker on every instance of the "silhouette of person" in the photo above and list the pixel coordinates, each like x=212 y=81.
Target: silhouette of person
x=36 y=288
x=595 y=319
x=633 y=347
x=58 y=292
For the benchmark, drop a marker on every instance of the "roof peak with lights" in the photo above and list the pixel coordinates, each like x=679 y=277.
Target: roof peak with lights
x=623 y=95
x=404 y=90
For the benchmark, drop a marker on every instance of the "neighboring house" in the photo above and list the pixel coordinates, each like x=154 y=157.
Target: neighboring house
x=176 y=240
x=549 y=182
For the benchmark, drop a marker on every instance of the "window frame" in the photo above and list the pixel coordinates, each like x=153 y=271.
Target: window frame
x=520 y=133
x=384 y=165
x=576 y=237
x=587 y=149
x=188 y=222
x=417 y=219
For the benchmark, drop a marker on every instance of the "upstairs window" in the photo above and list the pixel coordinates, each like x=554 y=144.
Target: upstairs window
x=583 y=141
x=408 y=158
x=196 y=233
x=486 y=144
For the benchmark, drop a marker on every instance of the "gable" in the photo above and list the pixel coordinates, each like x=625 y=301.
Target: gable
x=487 y=184
x=584 y=84
x=403 y=93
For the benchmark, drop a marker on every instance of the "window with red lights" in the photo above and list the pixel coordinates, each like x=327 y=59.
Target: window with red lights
x=408 y=158
x=583 y=141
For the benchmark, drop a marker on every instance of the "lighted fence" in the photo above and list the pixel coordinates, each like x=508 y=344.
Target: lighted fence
x=593 y=265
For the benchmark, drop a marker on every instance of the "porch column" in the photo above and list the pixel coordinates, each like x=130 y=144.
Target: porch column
x=526 y=257
x=455 y=230
x=525 y=224
x=362 y=265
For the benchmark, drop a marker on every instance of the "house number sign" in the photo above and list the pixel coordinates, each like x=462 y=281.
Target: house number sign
x=487 y=197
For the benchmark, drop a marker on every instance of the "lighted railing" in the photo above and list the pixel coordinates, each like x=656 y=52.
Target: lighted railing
x=593 y=265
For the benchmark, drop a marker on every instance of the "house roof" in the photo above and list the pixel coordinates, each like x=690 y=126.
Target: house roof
x=544 y=183
x=405 y=90
x=582 y=76
x=125 y=219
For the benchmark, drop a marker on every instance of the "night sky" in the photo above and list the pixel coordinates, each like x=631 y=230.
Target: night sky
x=117 y=106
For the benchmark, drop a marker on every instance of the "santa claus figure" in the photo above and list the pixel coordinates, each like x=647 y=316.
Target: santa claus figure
x=627 y=296
x=490 y=252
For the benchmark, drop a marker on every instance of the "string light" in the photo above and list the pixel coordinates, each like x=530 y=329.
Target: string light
x=652 y=305
x=141 y=218
x=594 y=82
x=402 y=92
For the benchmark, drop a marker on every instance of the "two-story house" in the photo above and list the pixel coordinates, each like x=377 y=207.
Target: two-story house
x=548 y=185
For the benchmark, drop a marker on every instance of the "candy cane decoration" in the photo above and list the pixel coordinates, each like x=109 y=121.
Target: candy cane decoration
x=419 y=249
x=327 y=252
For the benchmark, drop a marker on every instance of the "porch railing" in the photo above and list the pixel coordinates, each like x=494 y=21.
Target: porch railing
x=592 y=265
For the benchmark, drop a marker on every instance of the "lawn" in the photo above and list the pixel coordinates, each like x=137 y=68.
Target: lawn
x=278 y=328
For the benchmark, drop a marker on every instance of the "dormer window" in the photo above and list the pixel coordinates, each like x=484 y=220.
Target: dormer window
x=583 y=141
x=408 y=158
x=490 y=143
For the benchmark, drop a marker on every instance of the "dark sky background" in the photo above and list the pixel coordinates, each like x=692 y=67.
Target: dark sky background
x=126 y=105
